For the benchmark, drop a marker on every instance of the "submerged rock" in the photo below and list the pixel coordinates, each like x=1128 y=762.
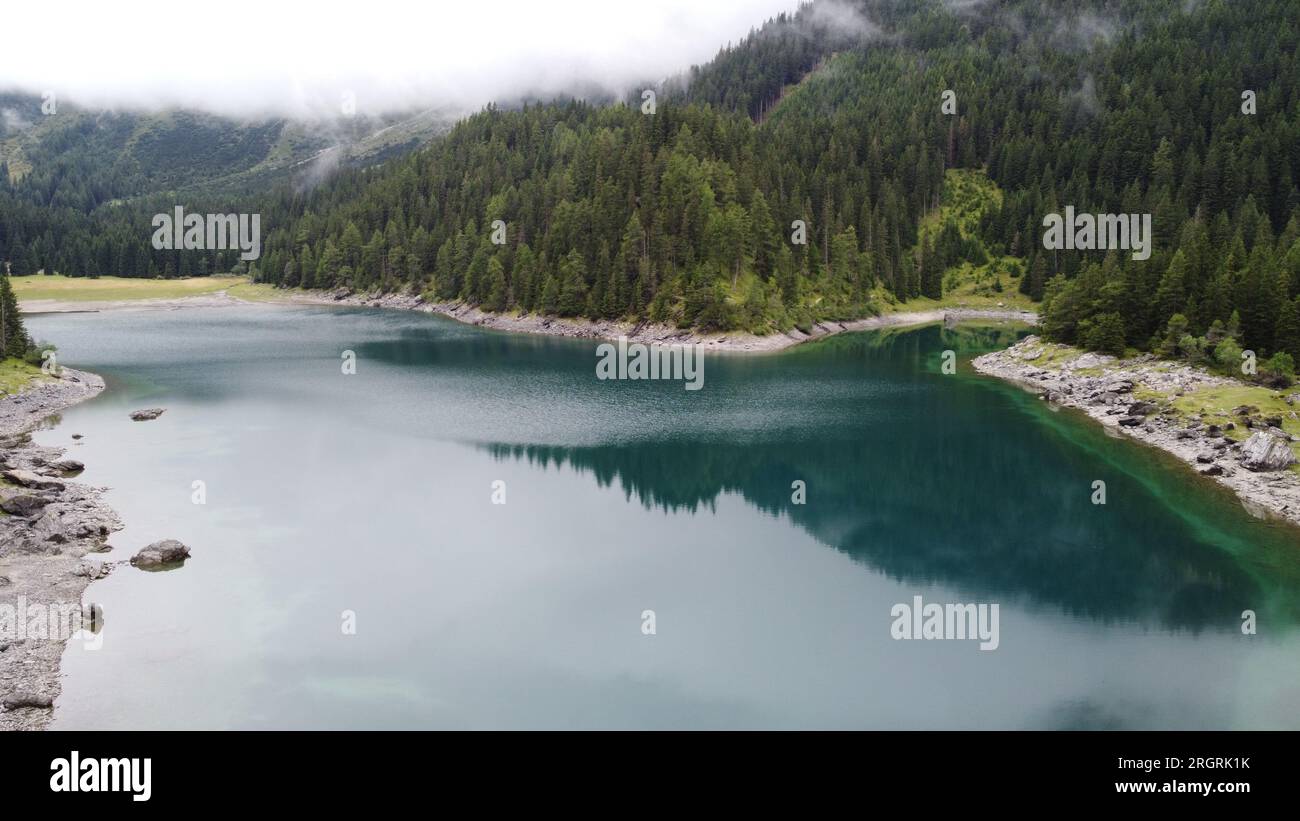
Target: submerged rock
x=1265 y=451
x=147 y=414
x=161 y=554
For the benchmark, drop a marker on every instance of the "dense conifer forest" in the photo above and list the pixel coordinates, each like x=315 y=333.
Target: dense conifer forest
x=834 y=117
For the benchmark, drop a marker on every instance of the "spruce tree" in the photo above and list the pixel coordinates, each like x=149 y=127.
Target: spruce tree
x=14 y=341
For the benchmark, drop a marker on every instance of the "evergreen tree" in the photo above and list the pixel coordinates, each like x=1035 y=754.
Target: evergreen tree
x=14 y=341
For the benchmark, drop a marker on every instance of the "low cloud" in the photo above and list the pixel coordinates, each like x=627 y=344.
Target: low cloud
x=14 y=120
x=843 y=17
x=254 y=58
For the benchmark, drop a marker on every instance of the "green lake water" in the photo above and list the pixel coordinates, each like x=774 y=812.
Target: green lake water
x=368 y=499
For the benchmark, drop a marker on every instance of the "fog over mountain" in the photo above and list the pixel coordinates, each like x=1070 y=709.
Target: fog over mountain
x=249 y=58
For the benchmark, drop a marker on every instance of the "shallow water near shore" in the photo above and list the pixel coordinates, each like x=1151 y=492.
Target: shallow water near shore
x=371 y=494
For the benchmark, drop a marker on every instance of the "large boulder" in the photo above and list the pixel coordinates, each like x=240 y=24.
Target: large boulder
x=147 y=414
x=26 y=478
x=20 y=700
x=1266 y=451
x=24 y=504
x=161 y=554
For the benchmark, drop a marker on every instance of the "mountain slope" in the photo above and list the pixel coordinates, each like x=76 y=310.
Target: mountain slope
x=692 y=214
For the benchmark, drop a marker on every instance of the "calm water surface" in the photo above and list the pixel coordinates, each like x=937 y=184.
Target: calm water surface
x=372 y=493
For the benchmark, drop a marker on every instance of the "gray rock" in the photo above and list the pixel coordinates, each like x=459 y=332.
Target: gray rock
x=1264 y=451
x=23 y=505
x=1142 y=408
x=1205 y=458
x=92 y=569
x=28 y=479
x=1132 y=421
x=20 y=700
x=161 y=554
x=68 y=466
x=1212 y=470
x=1091 y=360
x=147 y=414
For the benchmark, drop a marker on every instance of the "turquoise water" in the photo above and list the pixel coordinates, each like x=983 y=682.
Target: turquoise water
x=367 y=499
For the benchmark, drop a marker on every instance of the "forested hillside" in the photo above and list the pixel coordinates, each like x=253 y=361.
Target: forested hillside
x=833 y=116
x=75 y=182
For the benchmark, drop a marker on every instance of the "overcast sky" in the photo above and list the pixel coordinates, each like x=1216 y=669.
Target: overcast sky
x=268 y=56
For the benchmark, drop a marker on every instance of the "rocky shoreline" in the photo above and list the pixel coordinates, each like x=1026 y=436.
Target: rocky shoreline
x=50 y=531
x=1250 y=454
x=578 y=328
x=647 y=332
